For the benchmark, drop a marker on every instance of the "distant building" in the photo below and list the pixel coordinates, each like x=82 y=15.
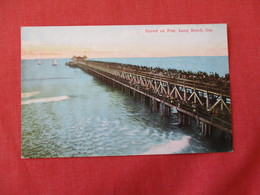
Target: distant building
x=78 y=58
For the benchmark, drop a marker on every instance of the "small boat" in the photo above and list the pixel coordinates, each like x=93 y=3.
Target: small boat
x=54 y=63
x=39 y=62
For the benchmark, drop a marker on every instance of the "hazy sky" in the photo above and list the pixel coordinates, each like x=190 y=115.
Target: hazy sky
x=124 y=41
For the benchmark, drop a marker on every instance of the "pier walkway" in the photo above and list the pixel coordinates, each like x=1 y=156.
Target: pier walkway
x=207 y=101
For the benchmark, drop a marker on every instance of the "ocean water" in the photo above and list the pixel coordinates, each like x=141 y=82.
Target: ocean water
x=208 y=64
x=68 y=113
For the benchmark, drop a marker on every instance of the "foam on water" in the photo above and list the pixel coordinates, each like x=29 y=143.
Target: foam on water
x=44 y=100
x=29 y=94
x=170 y=147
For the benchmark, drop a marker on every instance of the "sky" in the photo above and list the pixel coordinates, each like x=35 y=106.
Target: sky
x=124 y=41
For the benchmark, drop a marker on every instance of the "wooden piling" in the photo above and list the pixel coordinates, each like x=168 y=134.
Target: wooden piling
x=179 y=119
x=202 y=129
x=156 y=105
x=205 y=130
x=151 y=104
x=189 y=121
x=162 y=110
x=198 y=121
x=167 y=112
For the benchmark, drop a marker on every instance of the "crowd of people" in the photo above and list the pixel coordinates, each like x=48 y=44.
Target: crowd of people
x=203 y=77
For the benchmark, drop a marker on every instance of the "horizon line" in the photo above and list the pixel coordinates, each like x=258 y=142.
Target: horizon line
x=117 y=57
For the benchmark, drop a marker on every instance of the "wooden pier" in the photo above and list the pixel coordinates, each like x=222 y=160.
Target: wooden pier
x=208 y=103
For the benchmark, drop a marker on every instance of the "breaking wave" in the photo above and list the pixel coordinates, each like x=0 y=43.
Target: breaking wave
x=173 y=146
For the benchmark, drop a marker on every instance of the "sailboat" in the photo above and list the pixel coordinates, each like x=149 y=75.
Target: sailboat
x=39 y=62
x=54 y=63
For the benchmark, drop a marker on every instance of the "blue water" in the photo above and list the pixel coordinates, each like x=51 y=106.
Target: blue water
x=218 y=64
x=96 y=119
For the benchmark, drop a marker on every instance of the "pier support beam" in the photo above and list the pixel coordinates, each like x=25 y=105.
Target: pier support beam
x=209 y=129
x=151 y=104
x=202 y=129
x=179 y=119
x=167 y=111
x=198 y=121
x=205 y=129
x=188 y=121
x=162 y=110
x=184 y=119
x=142 y=97
x=156 y=105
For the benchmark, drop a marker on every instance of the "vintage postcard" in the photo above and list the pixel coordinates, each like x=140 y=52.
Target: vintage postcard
x=125 y=90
